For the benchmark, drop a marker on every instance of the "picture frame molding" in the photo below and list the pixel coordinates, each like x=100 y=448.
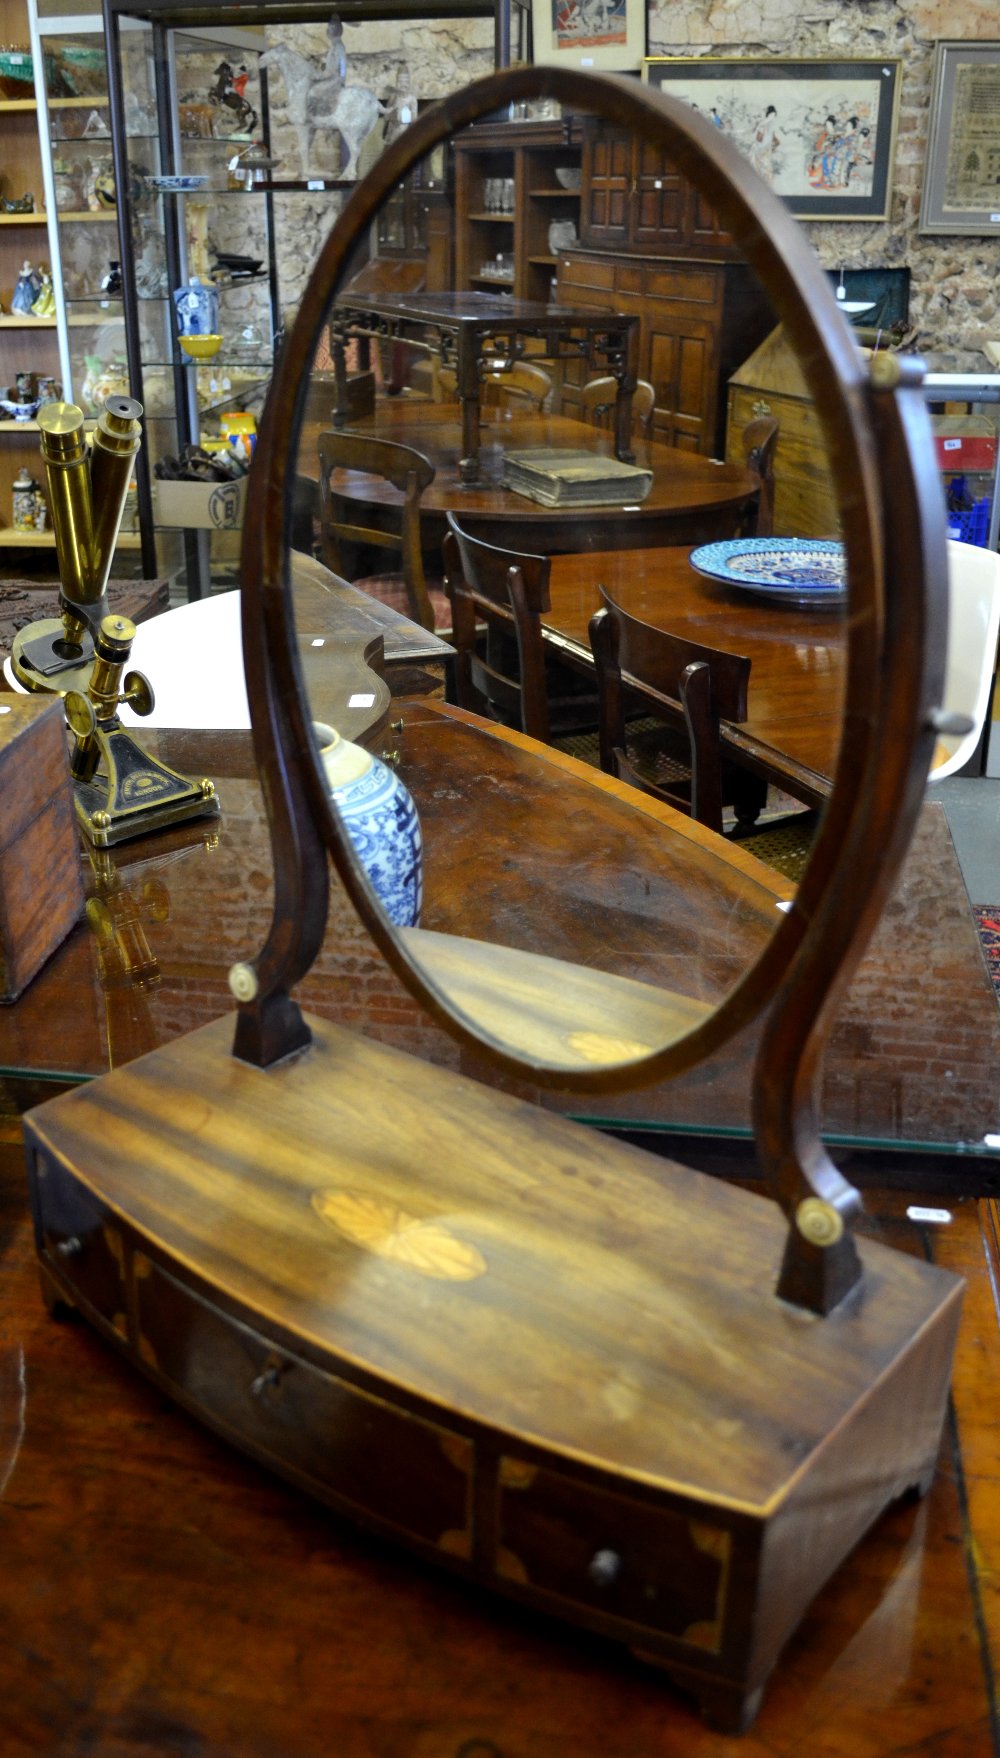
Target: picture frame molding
x=950 y=53
x=808 y=203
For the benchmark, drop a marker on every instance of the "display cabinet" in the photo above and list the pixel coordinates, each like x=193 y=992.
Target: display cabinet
x=517 y=202
x=57 y=150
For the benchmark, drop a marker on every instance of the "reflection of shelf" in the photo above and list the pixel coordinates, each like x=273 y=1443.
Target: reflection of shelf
x=493 y=219
x=493 y=280
x=96 y=103
x=545 y=262
x=84 y=215
x=554 y=194
x=13 y=426
x=11 y=538
x=22 y=219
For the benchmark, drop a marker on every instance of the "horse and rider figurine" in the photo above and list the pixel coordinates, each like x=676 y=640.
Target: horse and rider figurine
x=229 y=92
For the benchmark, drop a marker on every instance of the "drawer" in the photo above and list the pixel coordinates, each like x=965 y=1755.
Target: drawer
x=653 y=1567
x=628 y=278
x=340 y=1442
x=576 y=271
x=81 y=1241
x=695 y=285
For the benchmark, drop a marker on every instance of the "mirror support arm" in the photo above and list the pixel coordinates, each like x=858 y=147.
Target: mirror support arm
x=821 y=1264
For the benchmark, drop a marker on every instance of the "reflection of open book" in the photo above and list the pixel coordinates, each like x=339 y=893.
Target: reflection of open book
x=574 y=478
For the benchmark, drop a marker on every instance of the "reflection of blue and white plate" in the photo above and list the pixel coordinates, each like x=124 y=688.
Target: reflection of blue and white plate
x=792 y=570
x=177 y=185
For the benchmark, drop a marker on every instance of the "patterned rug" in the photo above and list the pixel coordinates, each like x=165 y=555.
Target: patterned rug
x=988 y=921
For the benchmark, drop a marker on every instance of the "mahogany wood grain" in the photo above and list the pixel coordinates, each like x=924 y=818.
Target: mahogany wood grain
x=693 y=499
x=122 y=1523
x=360 y=1268
x=796 y=692
x=41 y=895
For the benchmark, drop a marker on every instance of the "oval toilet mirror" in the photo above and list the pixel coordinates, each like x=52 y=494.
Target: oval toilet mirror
x=569 y=923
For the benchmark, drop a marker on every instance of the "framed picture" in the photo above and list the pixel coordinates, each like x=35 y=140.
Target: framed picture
x=820 y=132
x=608 y=34
x=962 y=179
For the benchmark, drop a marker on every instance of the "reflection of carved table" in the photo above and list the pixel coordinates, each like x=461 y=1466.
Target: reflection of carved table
x=457 y=326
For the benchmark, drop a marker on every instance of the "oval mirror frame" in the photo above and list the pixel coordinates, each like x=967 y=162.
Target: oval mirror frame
x=304 y=826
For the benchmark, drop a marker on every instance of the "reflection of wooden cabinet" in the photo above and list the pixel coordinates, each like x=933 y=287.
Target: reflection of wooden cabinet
x=508 y=197
x=770 y=382
x=635 y=199
x=698 y=320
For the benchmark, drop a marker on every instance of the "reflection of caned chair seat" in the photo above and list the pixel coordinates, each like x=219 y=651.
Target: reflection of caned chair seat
x=497 y=600
x=598 y=399
x=406 y=589
x=683 y=690
x=973 y=623
x=522 y=387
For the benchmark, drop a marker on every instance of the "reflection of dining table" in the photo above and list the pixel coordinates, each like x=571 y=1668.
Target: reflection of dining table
x=464 y=330
x=792 y=731
x=693 y=499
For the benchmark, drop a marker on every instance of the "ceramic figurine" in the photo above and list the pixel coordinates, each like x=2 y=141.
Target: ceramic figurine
x=402 y=106
x=25 y=204
x=323 y=101
x=197 y=306
x=49 y=391
x=24 y=490
x=45 y=304
x=29 y=285
x=111 y=281
x=101 y=193
x=228 y=92
x=381 y=821
x=96 y=126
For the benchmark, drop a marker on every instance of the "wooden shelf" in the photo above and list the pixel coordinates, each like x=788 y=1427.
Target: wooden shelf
x=23 y=320
x=12 y=105
x=22 y=219
x=491 y=219
x=10 y=538
x=86 y=215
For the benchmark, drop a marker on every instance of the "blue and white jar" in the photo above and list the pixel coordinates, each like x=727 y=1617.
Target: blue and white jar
x=381 y=820
x=197 y=307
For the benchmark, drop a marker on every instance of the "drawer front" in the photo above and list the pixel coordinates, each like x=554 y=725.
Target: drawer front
x=695 y=287
x=651 y=1567
x=584 y=271
x=81 y=1241
x=407 y=1473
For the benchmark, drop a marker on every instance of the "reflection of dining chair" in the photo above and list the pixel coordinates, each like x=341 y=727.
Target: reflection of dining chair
x=409 y=472
x=973 y=625
x=760 y=439
x=599 y=397
x=522 y=387
x=497 y=599
x=652 y=684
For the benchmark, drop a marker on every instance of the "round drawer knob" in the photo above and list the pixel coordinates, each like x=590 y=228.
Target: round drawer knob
x=71 y=1247
x=604 y=1567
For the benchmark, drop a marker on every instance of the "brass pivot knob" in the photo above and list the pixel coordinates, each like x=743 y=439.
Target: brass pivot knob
x=139 y=693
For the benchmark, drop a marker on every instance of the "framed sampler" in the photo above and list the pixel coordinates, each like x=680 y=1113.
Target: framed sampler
x=961 y=191
x=821 y=133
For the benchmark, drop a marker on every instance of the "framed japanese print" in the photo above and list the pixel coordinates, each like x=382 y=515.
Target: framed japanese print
x=820 y=132
x=609 y=35
x=962 y=182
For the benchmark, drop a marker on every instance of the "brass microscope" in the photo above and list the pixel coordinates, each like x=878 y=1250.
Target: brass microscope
x=120 y=790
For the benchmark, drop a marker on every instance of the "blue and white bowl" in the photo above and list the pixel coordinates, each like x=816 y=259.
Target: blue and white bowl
x=381 y=820
x=177 y=185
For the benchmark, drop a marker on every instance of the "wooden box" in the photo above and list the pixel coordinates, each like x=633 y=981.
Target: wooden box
x=41 y=887
x=770 y=382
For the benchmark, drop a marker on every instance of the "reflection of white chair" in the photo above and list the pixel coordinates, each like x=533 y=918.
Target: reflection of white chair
x=973 y=624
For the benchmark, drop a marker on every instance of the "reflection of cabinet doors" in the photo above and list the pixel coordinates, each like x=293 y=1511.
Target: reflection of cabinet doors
x=634 y=197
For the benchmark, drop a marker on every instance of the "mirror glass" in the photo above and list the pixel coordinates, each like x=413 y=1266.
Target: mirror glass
x=573 y=916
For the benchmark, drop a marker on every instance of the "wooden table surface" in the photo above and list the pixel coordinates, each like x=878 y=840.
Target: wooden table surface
x=792 y=731
x=162 y=1594
x=517 y=851
x=693 y=499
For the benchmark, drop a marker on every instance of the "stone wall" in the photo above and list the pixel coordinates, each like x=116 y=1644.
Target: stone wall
x=955 y=285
